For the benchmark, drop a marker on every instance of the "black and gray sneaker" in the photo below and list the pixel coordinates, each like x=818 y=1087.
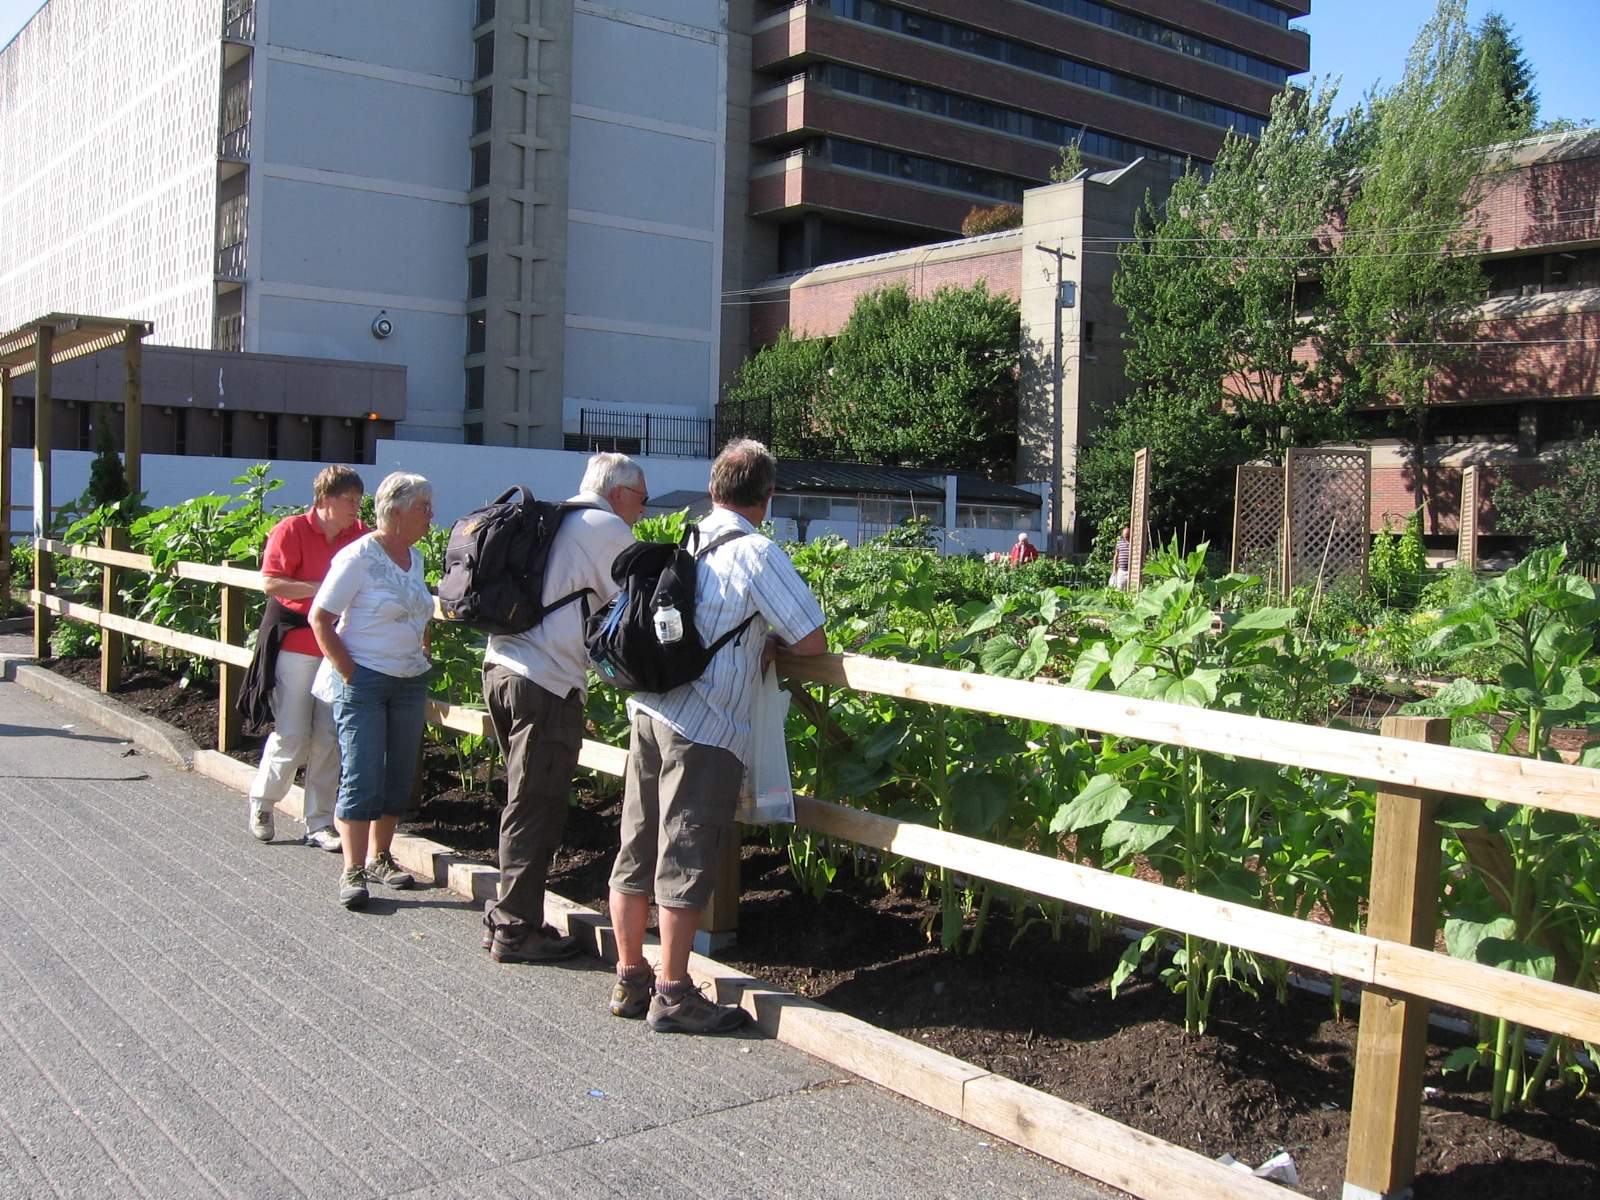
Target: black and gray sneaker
x=383 y=869
x=353 y=888
x=631 y=996
x=688 y=1011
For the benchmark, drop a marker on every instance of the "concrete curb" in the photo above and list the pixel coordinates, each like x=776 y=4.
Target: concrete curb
x=147 y=733
x=1065 y=1133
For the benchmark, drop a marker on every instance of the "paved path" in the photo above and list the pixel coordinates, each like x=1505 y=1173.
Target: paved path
x=185 y=1012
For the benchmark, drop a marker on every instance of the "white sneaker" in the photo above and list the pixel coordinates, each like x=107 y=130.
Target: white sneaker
x=324 y=839
x=261 y=827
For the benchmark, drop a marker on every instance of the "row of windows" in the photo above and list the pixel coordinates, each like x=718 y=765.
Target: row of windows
x=1043 y=62
x=1171 y=39
x=1269 y=13
x=236 y=434
x=991 y=116
x=930 y=171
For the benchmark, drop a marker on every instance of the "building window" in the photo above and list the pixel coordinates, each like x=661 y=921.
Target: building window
x=477 y=332
x=472 y=433
x=180 y=431
x=484 y=49
x=85 y=426
x=478 y=222
x=272 y=435
x=358 y=440
x=480 y=166
x=225 y=435
x=485 y=11
x=477 y=276
x=474 y=399
x=482 y=110
x=316 y=438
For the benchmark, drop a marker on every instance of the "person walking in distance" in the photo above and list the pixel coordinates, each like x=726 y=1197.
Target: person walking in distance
x=535 y=685
x=686 y=749
x=1122 y=562
x=1024 y=551
x=299 y=551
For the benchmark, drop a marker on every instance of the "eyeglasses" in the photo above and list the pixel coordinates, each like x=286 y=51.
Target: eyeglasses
x=644 y=497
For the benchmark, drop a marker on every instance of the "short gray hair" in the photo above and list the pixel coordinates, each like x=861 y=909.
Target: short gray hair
x=397 y=491
x=607 y=471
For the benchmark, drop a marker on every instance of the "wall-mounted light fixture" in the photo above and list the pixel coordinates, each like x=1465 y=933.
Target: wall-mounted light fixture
x=382 y=327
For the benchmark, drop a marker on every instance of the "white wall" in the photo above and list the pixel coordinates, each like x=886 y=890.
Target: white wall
x=645 y=218
x=463 y=478
x=108 y=152
x=358 y=190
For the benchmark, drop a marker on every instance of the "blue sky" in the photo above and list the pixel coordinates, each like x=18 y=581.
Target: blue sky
x=1367 y=40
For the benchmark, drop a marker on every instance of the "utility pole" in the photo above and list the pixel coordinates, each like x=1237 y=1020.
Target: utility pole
x=1066 y=297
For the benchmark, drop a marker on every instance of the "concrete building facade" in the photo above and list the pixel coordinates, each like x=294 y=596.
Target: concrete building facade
x=551 y=212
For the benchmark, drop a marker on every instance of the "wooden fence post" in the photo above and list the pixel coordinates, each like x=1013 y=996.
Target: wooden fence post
x=1386 y=1110
x=720 y=919
x=231 y=630
x=110 y=602
x=43 y=416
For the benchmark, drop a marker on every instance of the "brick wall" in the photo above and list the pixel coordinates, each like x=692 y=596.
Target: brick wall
x=821 y=308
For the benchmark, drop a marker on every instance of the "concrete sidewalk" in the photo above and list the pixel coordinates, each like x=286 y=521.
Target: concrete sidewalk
x=187 y=1012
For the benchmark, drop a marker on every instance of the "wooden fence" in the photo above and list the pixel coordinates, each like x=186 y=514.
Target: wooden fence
x=1394 y=961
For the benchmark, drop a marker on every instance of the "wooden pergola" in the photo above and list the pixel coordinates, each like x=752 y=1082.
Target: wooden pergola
x=39 y=346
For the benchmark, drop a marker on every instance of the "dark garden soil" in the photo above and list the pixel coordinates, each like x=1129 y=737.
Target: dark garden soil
x=1264 y=1077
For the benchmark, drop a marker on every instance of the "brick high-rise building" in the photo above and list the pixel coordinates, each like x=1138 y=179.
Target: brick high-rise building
x=878 y=124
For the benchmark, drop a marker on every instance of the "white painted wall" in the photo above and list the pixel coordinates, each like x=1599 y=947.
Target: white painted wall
x=644 y=232
x=108 y=151
x=358 y=190
x=463 y=478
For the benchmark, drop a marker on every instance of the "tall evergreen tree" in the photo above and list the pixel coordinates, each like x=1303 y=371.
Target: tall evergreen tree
x=1509 y=77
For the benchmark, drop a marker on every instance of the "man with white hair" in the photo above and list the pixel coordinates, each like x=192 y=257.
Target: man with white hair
x=1024 y=551
x=535 y=685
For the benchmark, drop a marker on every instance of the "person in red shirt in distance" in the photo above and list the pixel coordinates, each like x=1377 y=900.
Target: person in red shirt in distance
x=299 y=551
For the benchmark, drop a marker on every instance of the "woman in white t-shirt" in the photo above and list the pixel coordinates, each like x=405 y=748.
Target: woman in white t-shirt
x=371 y=618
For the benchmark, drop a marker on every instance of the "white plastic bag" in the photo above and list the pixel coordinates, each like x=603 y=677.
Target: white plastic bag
x=768 y=794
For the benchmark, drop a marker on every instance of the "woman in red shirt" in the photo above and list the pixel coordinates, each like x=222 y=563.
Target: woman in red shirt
x=299 y=551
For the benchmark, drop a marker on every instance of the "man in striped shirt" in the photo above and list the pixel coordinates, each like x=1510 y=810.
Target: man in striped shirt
x=687 y=750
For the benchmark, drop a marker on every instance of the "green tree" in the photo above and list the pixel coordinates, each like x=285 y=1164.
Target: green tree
x=108 y=483
x=1219 y=317
x=1509 y=76
x=1406 y=264
x=910 y=381
x=1070 y=162
x=1564 y=511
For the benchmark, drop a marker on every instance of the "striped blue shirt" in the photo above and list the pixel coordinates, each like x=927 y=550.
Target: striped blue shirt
x=747 y=575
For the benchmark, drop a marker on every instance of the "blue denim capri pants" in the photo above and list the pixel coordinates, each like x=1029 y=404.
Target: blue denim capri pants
x=380 y=720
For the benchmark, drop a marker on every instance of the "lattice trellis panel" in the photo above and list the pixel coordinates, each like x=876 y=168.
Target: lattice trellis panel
x=1258 y=522
x=1326 y=516
x=1139 y=525
x=1467 y=535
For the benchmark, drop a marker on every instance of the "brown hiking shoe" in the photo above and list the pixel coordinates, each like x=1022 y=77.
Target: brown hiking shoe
x=631 y=996
x=689 y=1011
x=533 y=946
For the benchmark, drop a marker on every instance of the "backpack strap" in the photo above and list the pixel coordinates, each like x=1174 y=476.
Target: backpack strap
x=568 y=507
x=737 y=630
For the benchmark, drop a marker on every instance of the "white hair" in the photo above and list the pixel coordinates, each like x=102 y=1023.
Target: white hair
x=398 y=491
x=607 y=470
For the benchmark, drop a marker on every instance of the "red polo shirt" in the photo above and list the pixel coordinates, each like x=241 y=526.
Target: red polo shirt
x=297 y=548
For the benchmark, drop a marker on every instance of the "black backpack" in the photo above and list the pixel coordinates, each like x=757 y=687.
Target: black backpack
x=623 y=647
x=494 y=564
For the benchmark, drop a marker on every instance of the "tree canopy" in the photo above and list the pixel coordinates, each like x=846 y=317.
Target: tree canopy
x=909 y=381
x=1318 y=270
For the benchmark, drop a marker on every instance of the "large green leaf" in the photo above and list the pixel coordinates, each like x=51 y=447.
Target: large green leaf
x=1516 y=956
x=1134 y=832
x=1101 y=799
x=978 y=800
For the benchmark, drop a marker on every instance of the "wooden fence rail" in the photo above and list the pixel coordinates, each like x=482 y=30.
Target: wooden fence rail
x=1394 y=960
